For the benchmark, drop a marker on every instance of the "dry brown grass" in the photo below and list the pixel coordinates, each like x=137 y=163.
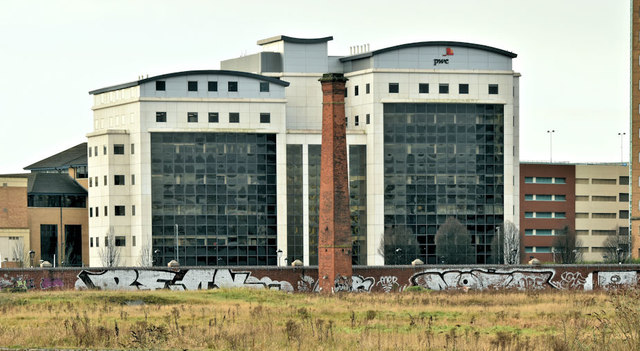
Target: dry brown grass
x=258 y=320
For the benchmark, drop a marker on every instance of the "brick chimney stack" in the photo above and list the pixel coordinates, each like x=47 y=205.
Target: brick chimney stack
x=334 y=241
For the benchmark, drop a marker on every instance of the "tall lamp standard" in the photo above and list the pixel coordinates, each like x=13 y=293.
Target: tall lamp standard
x=550 y=132
x=279 y=253
x=177 y=254
x=621 y=135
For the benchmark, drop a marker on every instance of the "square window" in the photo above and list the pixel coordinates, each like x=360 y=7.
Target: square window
x=394 y=88
x=357 y=121
x=119 y=210
x=234 y=117
x=118 y=179
x=368 y=118
x=264 y=87
x=355 y=91
x=160 y=85
x=192 y=85
x=161 y=117
x=367 y=88
x=192 y=117
x=212 y=86
x=118 y=149
x=213 y=117
x=493 y=89
x=232 y=86
x=463 y=88
x=265 y=118
x=120 y=241
x=443 y=88
x=423 y=88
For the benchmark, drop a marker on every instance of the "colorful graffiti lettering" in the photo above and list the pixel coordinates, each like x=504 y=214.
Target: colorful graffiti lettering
x=47 y=283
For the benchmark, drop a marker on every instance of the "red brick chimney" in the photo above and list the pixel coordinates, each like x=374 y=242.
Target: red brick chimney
x=334 y=241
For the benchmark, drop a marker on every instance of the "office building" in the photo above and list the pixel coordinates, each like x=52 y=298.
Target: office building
x=228 y=161
x=591 y=200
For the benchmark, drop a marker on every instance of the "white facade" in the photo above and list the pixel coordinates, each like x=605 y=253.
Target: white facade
x=126 y=115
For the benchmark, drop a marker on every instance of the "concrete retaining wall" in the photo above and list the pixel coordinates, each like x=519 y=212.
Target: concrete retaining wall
x=305 y=279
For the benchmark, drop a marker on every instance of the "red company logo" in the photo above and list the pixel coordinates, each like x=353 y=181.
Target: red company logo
x=449 y=52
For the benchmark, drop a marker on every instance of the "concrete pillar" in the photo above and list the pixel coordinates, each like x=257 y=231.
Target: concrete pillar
x=334 y=241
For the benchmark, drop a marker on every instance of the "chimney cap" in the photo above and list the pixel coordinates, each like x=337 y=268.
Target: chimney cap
x=333 y=77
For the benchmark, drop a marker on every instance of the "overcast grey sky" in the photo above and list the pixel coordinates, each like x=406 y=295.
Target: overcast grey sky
x=573 y=56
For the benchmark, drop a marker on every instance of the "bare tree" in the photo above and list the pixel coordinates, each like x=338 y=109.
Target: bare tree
x=505 y=246
x=566 y=246
x=145 y=256
x=17 y=251
x=110 y=253
x=453 y=243
x=398 y=246
x=616 y=247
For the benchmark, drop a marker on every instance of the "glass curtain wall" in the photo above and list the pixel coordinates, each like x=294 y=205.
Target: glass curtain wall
x=220 y=191
x=440 y=161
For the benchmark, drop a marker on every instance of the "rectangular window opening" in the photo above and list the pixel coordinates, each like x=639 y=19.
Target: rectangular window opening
x=118 y=149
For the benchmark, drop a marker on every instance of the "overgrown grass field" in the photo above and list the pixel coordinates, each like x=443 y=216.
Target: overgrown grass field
x=243 y=319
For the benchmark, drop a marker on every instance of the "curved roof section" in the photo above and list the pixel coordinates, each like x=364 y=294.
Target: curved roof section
x=191 y=73
x=431 y=43
x=294 y=40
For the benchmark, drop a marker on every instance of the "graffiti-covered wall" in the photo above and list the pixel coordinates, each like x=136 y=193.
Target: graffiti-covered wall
x=305 y=279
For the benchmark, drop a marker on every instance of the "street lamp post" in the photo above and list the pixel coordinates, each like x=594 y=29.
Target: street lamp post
x=550 y=132
x=157 y=257
x=177 y=255
x=621 y=135
x=398 y=253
